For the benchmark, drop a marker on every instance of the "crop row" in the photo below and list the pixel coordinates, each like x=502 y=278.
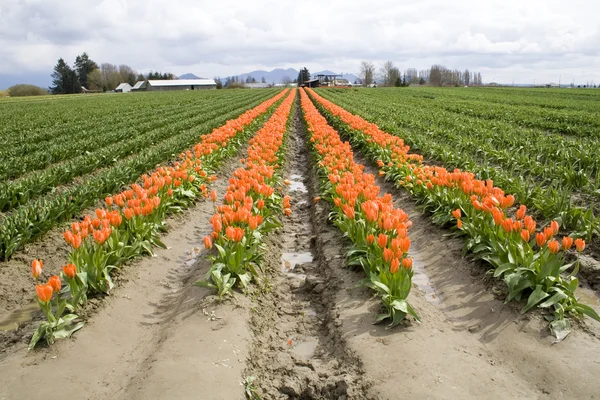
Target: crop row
x=131 y=223
x=378 y=230
x=531 y=264
x=544 y=171
x=250 y=208
x=72 y=140
x=559 y=113
x=112 y=147
x=25 y=223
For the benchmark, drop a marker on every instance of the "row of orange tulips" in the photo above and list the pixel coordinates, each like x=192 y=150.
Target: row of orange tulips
x=250 y=208
x=131 y=224
x=378 y=231
x=531 y=262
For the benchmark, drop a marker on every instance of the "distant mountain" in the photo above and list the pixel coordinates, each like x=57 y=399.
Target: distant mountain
x=189 y=76
x=279 y=74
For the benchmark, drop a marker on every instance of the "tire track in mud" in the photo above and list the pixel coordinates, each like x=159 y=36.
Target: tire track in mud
x=297 y=350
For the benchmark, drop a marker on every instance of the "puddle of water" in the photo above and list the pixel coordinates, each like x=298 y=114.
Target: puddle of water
x=18 y=317
x=421 y=280
x=306 y=348
x=310 y=312
x=588 y=297
x=296 y=184
x=290 y=260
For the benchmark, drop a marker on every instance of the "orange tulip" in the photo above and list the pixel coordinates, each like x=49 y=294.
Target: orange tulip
x=579 y=245
x=70 y=271
x=213 y=196
x=109 y=201
x=382 y=240
x=394 y=265
x=36 y=268
x=207 y=242
x=316 y=199
x=260 y=204
x=287 y=211
x=44 y=292
x=521 y=212
x=407 y=263
x=54 y=282
x=387 y=254
x=553 y=246
x=554 y=226
x=457 y=213
x=525 y=235
x=567 y=242
x=540 y=239
x=286 y=182
x=459 y=224
x=77 y=241
x=370 y=239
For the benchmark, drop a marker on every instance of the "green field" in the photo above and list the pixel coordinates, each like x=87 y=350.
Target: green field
x=539 y=144
x=60 y=155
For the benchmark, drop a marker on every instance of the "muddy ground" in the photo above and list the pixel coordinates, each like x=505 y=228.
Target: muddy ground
x=306 y=329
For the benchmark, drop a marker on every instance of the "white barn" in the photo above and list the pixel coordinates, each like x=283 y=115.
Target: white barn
x=176 y=84
x=123 y=88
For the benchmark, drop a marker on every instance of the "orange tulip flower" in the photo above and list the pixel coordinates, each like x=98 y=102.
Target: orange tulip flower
x=407 y=263
x=579 y=245
x=553 y=246
x=44 y=292
x=394 y=264
x=55 y=283
x=36 y=268
x=525 y=235
x=540 y=239
x=70 y=271
x=207 y=242
x=567 y=242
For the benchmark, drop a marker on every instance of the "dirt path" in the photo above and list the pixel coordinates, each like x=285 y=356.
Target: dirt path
x=298 y=351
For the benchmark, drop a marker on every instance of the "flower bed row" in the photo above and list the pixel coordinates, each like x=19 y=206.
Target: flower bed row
x=131 y=224
x=250 y=207
x=531 y=262
x=378 y=231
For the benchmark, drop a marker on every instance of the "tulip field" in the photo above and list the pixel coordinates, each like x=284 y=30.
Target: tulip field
x=295 y=243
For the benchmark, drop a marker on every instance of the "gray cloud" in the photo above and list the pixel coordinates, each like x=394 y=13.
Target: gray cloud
x=534 y=39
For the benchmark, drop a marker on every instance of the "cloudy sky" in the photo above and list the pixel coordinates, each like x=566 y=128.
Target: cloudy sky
x=503 y=39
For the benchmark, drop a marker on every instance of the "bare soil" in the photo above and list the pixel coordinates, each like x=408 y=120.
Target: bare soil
x=305 y=330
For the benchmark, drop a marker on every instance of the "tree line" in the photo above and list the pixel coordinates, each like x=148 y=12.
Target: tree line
x=86 y=73
x=438 y=75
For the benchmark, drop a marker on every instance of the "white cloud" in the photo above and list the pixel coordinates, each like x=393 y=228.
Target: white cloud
x=526 y=38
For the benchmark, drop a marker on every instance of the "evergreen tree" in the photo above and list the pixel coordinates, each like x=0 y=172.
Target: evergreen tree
x=303 y=76
x=64 y=79
x=84 y=66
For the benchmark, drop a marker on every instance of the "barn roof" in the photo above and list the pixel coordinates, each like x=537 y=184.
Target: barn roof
x=182 y=82
x=139 y=84
x=122 y=86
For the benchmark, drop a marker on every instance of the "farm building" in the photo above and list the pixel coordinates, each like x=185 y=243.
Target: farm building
x=176 y=84
x=123 y=88
x=137 y=86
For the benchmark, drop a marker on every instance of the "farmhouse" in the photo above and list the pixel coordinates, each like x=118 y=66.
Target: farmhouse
x=176 y=84
x=123 y=88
